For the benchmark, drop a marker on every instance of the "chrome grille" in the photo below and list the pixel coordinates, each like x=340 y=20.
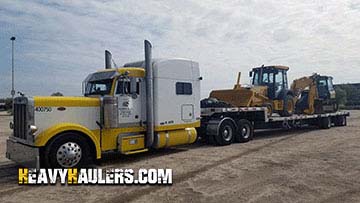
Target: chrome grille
x=20 y=119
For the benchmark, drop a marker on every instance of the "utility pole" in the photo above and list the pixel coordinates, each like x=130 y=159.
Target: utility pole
x=12 y=73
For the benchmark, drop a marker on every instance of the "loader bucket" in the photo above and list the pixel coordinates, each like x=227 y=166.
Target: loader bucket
x=240 y=97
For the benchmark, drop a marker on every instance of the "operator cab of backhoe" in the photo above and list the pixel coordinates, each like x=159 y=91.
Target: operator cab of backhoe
x=273 y=77
x=315 y=94
x=326 y=94
x=325 y=87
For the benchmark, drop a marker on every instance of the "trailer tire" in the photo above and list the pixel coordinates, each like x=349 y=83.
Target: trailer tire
x=245 y=131
x=67 y=150
x=226 y=133
x=325 y=123
x=340 y=121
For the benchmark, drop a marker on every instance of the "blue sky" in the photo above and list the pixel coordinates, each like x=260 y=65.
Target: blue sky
x=59 y=42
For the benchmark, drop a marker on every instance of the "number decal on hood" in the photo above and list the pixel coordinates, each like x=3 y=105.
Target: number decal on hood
x=43 y=109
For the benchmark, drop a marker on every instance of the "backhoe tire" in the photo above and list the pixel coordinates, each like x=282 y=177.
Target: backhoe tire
x=245 y=131
x=227 y=131
x=269 y=109
x=289 y=106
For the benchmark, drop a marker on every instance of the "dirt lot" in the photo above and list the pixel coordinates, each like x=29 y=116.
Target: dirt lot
x=280 y=166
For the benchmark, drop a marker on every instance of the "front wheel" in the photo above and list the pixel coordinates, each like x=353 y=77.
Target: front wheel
x=67 y=150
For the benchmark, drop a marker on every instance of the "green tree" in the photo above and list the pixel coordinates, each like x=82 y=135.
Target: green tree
x=8 y=103
x=57 y=94
x=340 y=96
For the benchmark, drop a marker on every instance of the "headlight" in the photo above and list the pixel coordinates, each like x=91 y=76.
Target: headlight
x=33 y=129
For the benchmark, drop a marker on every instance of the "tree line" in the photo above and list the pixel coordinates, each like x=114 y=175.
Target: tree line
x=348 y=95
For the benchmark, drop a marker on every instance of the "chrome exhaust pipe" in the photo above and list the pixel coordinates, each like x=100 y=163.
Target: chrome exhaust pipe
x=149 y=95
x=108 y=58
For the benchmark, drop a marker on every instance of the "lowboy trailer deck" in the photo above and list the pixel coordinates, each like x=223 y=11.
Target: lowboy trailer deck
x=222 y=125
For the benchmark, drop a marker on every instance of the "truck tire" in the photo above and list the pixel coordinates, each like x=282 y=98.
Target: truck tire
x=289 y=106
x=67 y=150
x=340 y=121
x=245 y=131
x=226 y=133
x=211 y=140
x=325 y=123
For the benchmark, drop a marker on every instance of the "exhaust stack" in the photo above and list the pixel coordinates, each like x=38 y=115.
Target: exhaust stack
x=108 y=58
x=149 y=95
x=237 y=85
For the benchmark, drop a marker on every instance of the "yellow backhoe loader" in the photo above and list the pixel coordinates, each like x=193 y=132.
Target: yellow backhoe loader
x=269 y=89
x=314 y=94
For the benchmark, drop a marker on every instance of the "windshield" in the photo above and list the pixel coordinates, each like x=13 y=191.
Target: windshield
x=101 y=87
x=98 y=83
x=266 y=78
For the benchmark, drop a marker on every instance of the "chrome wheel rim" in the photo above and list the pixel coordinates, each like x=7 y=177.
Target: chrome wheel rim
x=227 y=133
x=245 y=132
x=69 y=154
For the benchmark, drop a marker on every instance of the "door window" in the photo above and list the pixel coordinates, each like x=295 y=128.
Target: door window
x=268 y=78
x=256 y=78
x=279 y=82
x=285 y=80
x=330 y=84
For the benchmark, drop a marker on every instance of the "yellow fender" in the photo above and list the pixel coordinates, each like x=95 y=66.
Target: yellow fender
x=43 y=138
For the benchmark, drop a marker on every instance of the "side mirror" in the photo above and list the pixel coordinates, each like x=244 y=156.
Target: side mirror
x=133 y=84
x=250 y=74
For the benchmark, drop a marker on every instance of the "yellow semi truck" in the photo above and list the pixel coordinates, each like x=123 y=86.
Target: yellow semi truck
x=142 y=105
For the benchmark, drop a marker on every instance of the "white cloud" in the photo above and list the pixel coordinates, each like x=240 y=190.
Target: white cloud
x=59 y=42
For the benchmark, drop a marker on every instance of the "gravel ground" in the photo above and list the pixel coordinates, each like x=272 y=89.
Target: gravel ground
x=307 y=165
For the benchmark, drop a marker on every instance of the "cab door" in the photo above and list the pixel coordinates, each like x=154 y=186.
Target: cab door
x=279 y=84
x=129 y=101
x=331 y=88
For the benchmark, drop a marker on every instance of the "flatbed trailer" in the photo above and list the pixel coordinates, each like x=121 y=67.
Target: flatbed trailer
x=222 y=126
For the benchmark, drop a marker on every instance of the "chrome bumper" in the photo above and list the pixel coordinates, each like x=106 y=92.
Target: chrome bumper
x=22 y=154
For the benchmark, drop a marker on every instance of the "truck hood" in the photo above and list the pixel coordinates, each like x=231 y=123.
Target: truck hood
x=60 y=101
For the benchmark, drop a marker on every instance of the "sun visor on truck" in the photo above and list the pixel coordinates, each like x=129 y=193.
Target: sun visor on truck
x=135 y=64
x=101 y=76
